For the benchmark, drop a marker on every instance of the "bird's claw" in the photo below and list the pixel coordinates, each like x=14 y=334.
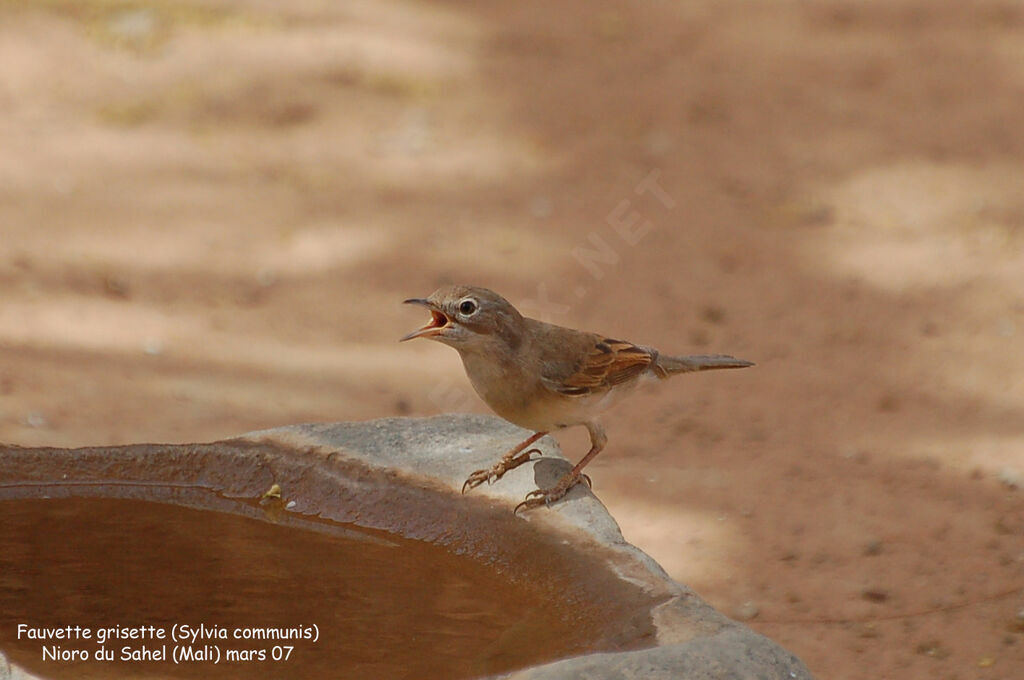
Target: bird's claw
x=498 y=470
x=539 y=497
x=546 y=497
x=476 y=478
x=528 y=504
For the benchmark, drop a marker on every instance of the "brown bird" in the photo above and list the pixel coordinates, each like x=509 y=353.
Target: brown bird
x=540 y=376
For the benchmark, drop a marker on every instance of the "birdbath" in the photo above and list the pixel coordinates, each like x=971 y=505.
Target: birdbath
x=337 y=551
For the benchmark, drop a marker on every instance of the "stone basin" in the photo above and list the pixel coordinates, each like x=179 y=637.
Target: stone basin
x=365 y=538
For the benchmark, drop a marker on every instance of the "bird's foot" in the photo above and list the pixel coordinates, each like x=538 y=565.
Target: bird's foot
x=539 y=497
x=498 y=470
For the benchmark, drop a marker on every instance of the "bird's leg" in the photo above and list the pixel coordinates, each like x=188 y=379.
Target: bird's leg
x=509 y=461
x=541 y=497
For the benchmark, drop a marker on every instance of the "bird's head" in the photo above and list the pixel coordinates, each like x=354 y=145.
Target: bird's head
x=466 y=317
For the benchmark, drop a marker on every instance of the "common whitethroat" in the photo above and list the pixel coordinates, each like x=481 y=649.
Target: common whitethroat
x=543 y=377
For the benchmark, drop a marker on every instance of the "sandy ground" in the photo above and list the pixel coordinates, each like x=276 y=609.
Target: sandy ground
x=210 y=211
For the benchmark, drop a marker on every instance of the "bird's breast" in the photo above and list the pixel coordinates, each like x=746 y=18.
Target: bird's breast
x=521 y=398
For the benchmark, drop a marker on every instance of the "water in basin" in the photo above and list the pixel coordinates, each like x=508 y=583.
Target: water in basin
x=382 y=606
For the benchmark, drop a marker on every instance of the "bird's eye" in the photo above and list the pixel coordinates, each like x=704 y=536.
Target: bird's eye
x=467 y=307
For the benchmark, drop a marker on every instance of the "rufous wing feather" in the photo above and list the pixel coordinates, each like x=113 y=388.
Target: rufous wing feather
x=610 y=363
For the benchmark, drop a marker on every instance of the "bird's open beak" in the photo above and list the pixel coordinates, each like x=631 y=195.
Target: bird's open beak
x=438 y=320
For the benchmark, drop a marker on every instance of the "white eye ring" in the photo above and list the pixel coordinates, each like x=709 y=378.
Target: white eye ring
x=468 y=307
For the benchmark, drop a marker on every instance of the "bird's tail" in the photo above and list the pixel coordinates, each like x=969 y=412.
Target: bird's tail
x=664 y=366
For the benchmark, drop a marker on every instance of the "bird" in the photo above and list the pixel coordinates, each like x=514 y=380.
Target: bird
x=543 y=377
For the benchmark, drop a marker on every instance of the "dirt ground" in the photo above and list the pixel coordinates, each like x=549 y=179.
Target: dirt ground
x=210 y=211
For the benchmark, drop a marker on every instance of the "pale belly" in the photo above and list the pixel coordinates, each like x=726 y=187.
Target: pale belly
x=542 y=410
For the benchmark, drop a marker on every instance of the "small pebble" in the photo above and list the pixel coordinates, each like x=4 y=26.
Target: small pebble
x=747 y=611
x=153 y=347
x=869 y=631
x=1010 y=478
x=35 y=419
x=876 y=595
x=932 y=648
x=1016 y=624
x=115 y=286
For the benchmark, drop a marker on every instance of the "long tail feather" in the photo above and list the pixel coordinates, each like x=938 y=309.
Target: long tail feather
x=665 y=366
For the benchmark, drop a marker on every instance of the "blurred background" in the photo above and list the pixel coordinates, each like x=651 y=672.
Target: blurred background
x=210 y=211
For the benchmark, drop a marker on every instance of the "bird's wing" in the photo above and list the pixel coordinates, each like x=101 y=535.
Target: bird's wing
x=605 y=364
